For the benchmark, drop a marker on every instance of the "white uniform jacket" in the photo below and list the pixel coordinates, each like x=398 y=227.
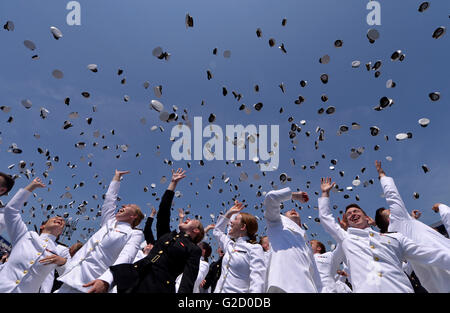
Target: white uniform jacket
x=292 y=265
x=202 y=272
x=374 y=259
x=114 y=243
x=23 y=273
x=243 y=268
x=444 y=211
x=432 y=278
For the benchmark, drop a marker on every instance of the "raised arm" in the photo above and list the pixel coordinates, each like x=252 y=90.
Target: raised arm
x=109 y=205
x=275 y=197
x=163 y=216
x=426 y=255
x=444 y=211
x=14 y=224
x=222 y=222
x=326 y=217
x=395 y=202
x=148 y=233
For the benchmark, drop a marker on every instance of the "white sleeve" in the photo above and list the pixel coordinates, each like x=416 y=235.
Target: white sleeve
x=109 y=205
x=2 y=221
x=327 y=221
x=257 y=269
x=14 y=223
x=219 y=232
x=202 y=272
x=272 y=203
x=395 y=202
x=444 y=211
x=424 y=254
x=127 y=255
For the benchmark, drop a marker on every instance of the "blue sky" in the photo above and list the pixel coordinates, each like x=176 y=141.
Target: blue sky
x=117 y=34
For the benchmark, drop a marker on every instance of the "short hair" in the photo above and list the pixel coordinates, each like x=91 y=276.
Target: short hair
x=354 y=205
x=261 y=239
x=200 y=234
x=381 y=221
x=139 y=217
x=8 y=182
x=321 y=245
x=208 y=250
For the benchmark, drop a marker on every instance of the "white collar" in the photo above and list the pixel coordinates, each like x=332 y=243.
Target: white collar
x=48 y=236
x=241 y=239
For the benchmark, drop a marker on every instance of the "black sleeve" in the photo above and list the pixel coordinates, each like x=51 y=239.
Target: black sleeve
x=163 y=215
x=209 y=279
x=190 y=271
x=148 y=234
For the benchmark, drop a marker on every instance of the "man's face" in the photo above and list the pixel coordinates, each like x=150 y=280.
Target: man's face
x=54 y=225
x=386 y=214
x=127 y=213
x=265 y=244
x=220 y=252
x=235 y=227
x=315 y=247
x=293 y=215
x=356 y=218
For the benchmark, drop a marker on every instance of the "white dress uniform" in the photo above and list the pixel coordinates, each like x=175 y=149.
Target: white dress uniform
x=114 y=243
x=327 y=270
x=374 y=259
x=444 y=211
x=433 y=279
x=202 y=272
x=243 y=268
x=292 y=266
x=2 y=221
x=23 y=273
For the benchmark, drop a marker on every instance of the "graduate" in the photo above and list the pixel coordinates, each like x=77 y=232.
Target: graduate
x=292 y=265
x=116 y=242
x=375 y=259
x=34 y=256
x=243 y=267
x=397 y=219
x=444 y=211
x=174 y=252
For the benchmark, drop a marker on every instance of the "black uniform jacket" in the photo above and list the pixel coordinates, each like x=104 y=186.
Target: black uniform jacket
x=173 y=253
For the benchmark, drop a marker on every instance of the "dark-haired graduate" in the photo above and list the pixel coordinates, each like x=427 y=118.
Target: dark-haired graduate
x=6 y=184
x=243 y=267
x=34 y=256
x=174 y=252
x=397 y=219
x=375 y=259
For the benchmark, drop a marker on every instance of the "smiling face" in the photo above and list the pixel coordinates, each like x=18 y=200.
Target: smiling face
x=128 y=213
x=293 y=216
x=237 y=229
x=54 y=226
x=356 y=218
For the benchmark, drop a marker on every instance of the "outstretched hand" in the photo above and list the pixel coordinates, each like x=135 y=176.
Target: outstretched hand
x=236 y=208
x=178 y=175
x=36 y=183
x=416 y=214
x=209 y=227
x=301 y=196
x=98 y=286
x=380 y=171
x=326 y=185
x=153 y=212
x=118 y=175
x=181 y=215
x=435 y=207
